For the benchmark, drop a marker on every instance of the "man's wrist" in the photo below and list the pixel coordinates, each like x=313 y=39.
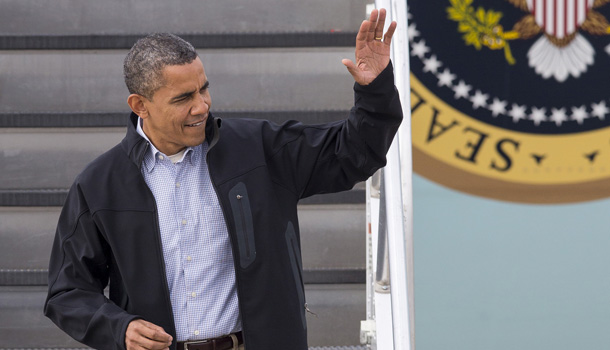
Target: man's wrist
x=379 y=81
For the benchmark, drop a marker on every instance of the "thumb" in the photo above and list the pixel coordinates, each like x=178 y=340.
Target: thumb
x=351 y=67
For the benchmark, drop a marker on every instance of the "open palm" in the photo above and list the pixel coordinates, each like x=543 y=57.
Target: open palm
x=372 y=53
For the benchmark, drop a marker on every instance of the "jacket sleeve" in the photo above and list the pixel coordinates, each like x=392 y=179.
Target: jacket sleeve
x=334 y=157
x=78 y=274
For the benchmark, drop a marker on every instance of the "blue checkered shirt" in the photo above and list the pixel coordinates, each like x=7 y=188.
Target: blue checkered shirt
x=196 y=246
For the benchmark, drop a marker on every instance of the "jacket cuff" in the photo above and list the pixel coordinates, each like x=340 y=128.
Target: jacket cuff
x=386 y=77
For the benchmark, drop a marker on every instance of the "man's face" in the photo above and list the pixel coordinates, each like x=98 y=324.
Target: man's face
x=179 y=110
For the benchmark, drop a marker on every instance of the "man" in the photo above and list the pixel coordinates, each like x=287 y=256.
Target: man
x=193 y=223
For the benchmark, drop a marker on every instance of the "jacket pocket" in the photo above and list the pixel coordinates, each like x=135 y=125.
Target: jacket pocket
x=295 y=262
x=244 y=227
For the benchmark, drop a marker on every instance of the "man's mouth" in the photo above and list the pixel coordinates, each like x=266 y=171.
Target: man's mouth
x=196 y=124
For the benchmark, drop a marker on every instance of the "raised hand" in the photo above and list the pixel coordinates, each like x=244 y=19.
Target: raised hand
x=372 y=48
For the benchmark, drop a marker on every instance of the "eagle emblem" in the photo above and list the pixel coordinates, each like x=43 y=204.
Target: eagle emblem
x=560 y=50
x=509 y=100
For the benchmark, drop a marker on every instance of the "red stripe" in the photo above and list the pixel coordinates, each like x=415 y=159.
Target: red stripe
x=544 y=14
x=565 y=17
x=534 y=8
x=576 y=13
x=555 y=18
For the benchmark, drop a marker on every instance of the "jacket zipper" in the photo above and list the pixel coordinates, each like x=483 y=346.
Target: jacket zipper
x=168 y=299
x=243 y=222
x=300 y=270
x=165 y=284
x=231 y=234
x=309 y=311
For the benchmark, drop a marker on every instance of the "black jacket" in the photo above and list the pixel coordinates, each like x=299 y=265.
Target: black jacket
x=108 y=231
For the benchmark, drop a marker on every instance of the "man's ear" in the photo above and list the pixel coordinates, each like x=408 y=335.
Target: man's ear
x=138 y=106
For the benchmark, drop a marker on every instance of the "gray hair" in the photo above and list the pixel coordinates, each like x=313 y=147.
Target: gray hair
x=143 y=66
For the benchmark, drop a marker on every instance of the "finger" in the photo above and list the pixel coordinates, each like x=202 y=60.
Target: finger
x=354 y=71
x=362 y=32
x=146 y=343
x=134 y=346
x=152 y=345
x=387 y=39
x=137 y=341
x=150 y=331
x=156 y=333
x=371 y=25
x=351 y=66
x=380 y=24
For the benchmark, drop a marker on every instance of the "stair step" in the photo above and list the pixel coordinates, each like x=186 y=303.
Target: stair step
x=332 y=241
x=352 y=347
x=119 y=119
x=34 y=17
x=30 y=155
x=33 y=198
x=22 y=323
x=39 y=277
x=333 y=235
x=339 y=308
x=56 y=197
x=48 y=159
x=203 y=41
x=241 y=80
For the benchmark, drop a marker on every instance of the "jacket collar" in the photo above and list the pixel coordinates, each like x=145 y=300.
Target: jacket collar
x=136 y=146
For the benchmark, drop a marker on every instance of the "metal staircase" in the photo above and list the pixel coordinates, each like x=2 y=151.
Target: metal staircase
x=62 y=103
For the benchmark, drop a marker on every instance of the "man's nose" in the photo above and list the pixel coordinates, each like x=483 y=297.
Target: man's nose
x=201 y=106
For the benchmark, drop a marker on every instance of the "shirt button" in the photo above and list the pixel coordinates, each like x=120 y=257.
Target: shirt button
x=193 y=294
x=183 y=222
x=196 y=332
x=161 y=157
x=177 y=184
x=188 y=258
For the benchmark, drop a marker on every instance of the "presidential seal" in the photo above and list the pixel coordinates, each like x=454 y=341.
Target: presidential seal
x=509 y=98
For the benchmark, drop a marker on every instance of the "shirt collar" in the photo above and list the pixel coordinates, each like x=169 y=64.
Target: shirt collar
x=191 y=155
